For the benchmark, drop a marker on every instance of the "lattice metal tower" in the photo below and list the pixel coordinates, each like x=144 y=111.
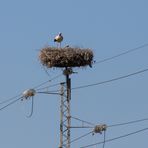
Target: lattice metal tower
x=65 y=116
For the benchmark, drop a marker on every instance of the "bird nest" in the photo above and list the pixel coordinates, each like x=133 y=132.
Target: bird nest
x=66 y=57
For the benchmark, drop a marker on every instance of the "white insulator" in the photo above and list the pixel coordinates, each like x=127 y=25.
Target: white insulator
x=29 y=93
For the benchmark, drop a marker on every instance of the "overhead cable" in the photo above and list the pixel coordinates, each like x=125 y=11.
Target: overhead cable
x=127 y=123
x=83 y=121
x=10 y=103
x=49 y=86
x=12 y=98
x=121 y=54
x=48 y=81
x=76 y=139
x=111 y=80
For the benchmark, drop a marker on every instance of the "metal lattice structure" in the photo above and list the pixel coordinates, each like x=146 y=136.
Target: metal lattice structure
x=65 y=115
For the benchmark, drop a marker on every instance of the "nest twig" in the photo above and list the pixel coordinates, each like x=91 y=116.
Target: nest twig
x=66 y=57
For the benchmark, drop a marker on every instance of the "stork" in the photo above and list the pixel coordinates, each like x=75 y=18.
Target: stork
x=58 y=39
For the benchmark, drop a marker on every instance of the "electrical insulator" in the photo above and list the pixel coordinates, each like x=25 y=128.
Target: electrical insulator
x=29 y=93
x=100 y=128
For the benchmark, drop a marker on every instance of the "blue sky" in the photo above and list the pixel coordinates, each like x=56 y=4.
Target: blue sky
x=107 y=27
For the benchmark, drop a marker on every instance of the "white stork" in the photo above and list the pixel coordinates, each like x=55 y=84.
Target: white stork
x=58 y=39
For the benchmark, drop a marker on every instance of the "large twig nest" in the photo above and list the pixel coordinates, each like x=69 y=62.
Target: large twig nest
x=66 y=57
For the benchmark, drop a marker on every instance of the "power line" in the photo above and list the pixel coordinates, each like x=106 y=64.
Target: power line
x=45 y=70
x=121 y=54
x=76 y=139
x=127 y=123
x=12 y=98
x=46 y=87
x=119 y=137
x=111 y=80
x=47 y=81
x=10 y=103
x=83 y=121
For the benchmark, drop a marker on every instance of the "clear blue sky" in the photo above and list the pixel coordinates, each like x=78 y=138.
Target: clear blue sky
x=109 y=28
